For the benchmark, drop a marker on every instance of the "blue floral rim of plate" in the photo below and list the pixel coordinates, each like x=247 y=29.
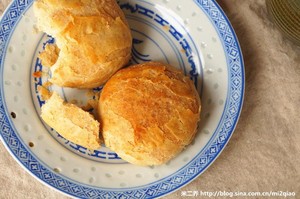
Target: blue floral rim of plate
x=169 y=184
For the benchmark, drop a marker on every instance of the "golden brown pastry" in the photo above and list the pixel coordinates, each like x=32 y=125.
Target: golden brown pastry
x=93 y=37
x=149 y=113
x=50 y=55
x=71 y=122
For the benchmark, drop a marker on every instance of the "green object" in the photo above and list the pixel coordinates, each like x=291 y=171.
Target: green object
x=286 y=15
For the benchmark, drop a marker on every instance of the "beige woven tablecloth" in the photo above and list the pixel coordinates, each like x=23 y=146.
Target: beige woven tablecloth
x=264 y=151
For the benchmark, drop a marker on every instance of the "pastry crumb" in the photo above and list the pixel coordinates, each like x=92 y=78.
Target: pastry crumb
x=90 y=93
x=50 y=55
x=93 y=103
x=35 y=29
x=167 y=28
x=37 y=74
x=44 y=92
x=47 y=84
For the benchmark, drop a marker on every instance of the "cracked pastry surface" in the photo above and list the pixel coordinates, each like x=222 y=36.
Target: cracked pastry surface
x=149 y=113
x=92 y=36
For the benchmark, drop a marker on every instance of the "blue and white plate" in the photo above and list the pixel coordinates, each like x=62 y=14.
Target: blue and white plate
x=194 y=36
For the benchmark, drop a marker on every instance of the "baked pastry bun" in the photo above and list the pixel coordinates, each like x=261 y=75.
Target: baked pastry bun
x=71 y=122
x=92 y=36
x=149 y=113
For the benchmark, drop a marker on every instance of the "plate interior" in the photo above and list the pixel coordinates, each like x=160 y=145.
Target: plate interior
x=193 y=36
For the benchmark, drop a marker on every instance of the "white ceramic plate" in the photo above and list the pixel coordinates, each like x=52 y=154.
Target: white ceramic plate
x=194 y=35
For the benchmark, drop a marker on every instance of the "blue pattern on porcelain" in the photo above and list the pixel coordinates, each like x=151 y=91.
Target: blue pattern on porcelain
x=183 y=51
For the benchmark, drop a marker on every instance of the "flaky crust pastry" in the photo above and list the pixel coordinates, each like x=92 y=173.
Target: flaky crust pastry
x=71 y=122
x=149 y=113
x=93 y=37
